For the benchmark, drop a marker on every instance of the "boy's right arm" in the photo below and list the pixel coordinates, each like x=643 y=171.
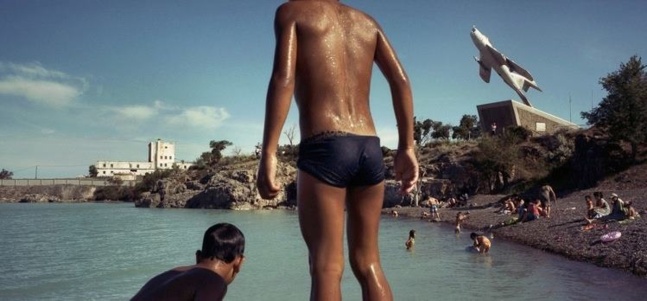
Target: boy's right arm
x=279 y=95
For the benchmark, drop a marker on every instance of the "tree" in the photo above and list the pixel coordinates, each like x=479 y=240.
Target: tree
x=216 y=150
x=5 y=174
x=92 y=171
x=623 y=112
x=422 y=131
x=467 y=129
x=441 y=131
x=289 y=133
x=496 y=160
x=236 y=151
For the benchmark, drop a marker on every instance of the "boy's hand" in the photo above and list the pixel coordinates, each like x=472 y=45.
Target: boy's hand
x=406 y=169
x=266 y=177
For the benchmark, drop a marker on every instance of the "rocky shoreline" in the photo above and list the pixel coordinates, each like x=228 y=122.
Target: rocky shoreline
x=560 y=234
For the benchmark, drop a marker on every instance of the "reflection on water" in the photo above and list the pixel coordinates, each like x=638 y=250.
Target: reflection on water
x=107 y=251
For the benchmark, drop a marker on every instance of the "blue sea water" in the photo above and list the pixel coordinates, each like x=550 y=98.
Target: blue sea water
x=107 y=251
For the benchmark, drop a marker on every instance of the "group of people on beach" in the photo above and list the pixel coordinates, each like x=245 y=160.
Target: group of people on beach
x=599 y=210
x=522 y=211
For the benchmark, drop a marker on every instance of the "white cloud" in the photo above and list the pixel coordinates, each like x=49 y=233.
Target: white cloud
x=37 y=84
x=201 y=116
x=39 y=91
x=136 y=112
x=32 y=70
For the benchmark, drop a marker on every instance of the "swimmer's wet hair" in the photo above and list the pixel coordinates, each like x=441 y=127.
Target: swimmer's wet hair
x=223 y=241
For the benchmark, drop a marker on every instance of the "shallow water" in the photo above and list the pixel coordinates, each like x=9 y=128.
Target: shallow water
x=108 y=251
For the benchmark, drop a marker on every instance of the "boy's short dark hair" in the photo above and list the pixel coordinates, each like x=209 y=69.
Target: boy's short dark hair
x=223 y=241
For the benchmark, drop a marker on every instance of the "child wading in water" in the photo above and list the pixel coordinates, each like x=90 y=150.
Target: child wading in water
x=460 y=217
x=411 y=241
x=482 y=244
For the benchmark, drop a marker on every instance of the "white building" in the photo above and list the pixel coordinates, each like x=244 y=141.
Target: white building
x=161 y=155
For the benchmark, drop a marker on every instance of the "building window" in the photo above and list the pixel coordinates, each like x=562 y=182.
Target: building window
x=540 y=127
x=104 y=172
x=111 y=166
x=104 y=164
x=137 y=165
x=170 y=157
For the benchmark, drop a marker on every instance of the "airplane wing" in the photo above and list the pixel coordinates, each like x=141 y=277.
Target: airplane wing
x=484 y=73
x=518 y=69
x=496 y=55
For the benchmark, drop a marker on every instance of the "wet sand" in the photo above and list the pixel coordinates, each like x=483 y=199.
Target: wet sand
x=562 y=233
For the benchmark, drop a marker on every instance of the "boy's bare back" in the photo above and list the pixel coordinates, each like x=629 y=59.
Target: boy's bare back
x=333 y=48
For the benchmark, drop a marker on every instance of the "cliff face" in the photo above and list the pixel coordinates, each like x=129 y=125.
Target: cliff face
x=235 y=188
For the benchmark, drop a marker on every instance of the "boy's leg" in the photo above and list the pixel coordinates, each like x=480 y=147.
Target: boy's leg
x=364 y=207
x=321 y=217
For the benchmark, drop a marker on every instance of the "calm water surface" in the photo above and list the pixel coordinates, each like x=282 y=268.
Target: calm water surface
x=108 y=251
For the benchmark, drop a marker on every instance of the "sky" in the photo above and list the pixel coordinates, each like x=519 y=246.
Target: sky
x=89 y=80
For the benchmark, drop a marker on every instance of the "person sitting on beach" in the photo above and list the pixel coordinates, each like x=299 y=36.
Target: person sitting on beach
x=631 y=212
x=518 y=214
x=411 y=241
x=460 y=217
x=617 y=209
x=602 y=208
x=481 y=244
x=508 y=207
x=521 y=209
x=590 y=209
x=532 y=212
x=217 y=265
x=451 y=202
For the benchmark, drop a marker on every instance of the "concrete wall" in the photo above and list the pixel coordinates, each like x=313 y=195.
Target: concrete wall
x=47 y=182
x=511 y=113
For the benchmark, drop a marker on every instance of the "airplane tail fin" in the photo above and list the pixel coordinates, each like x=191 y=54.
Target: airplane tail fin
x=527 y=84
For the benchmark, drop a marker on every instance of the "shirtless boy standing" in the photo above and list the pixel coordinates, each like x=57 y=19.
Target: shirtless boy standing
x=324 y=56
